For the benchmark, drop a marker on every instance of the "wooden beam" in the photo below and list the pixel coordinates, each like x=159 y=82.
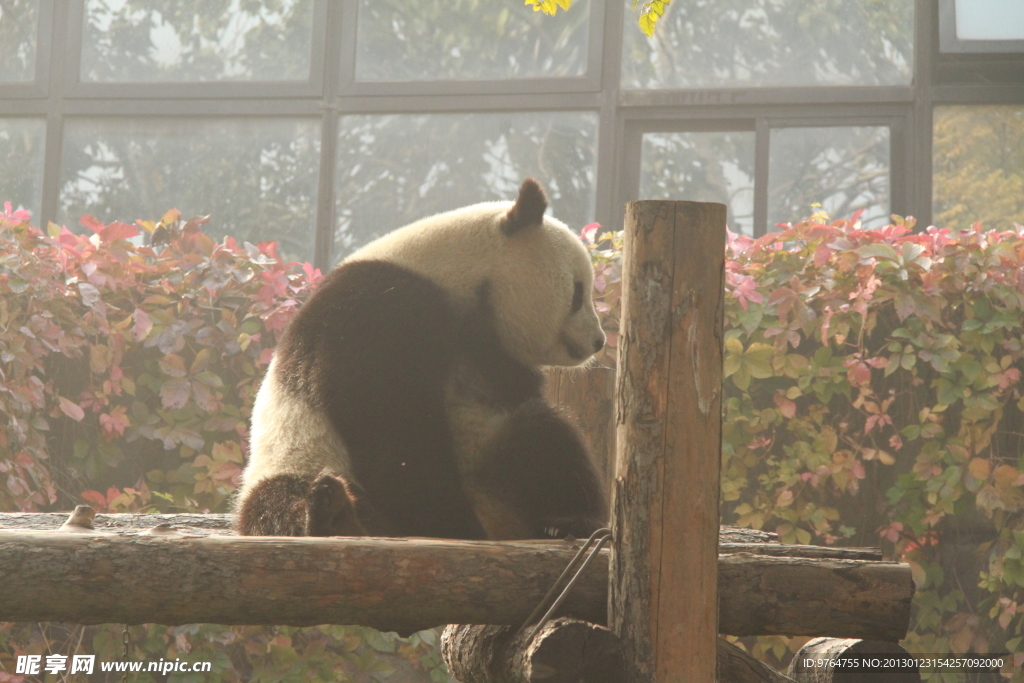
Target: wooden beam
x=564 y=650
x=664 y=601
x=567 y=650
x=179 y=569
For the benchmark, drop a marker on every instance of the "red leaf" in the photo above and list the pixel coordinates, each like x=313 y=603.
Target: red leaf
x=117 y=231
x=95 y=498
x=71 y=409
x=143 y=324
x=785 y=406
x=859 y=375
x=93 y=223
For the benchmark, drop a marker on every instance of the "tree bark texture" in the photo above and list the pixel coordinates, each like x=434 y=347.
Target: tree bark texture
x=663 y=595
x=191 y=570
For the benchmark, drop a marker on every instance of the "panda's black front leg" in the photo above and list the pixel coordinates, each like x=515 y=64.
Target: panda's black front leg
x=539 y=467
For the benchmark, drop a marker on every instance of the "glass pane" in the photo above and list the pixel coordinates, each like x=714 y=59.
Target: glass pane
x=842 y=169
x=395 y=169
x=196 y=40
x=978 y=166
x=702 y=167
x=19 y=23
x=760 y=43
x=257 y=178
x=990 y=20
x=462 y=39
x=21 y=173
x=468 y=39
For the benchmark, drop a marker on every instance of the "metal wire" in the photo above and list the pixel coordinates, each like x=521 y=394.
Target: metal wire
x=600 y=537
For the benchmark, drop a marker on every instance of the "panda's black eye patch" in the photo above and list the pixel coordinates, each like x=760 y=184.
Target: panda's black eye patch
x=577 y=297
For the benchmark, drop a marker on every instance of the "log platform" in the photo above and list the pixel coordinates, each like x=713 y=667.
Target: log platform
x=178 y=569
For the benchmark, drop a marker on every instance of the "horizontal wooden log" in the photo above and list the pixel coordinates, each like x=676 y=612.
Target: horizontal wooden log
x=804 y=596
x=825 y=660
x=220 y=524
x=564 y=650
x=786 y=550
x=192 y=571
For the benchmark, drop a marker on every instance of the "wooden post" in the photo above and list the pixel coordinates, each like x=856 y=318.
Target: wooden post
x=587 y=396
x=663 y=599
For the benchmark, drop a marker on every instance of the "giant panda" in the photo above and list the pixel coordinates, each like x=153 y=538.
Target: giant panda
x=404 y=399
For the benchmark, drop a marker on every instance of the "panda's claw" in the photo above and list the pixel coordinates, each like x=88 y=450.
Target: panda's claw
x=553 y=532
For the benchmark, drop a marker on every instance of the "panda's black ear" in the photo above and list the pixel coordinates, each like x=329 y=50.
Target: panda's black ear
x=528 y=209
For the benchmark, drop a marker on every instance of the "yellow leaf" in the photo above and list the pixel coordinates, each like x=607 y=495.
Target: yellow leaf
x=979 y=469
x=1007 y=477
x=647 y=25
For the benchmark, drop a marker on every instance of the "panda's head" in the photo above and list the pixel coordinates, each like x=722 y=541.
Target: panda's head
x=537 y=274
x=541 y=286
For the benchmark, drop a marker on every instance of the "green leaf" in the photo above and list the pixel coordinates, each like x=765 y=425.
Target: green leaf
x=879 y=250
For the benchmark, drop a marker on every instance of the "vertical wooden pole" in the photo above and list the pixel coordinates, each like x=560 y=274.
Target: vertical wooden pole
x=663 y=598
x=586 y=395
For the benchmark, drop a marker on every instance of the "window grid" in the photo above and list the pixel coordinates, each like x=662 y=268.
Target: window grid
x=624 y=116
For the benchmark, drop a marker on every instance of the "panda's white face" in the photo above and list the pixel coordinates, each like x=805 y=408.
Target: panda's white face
x=538 y=273
x=542 y=294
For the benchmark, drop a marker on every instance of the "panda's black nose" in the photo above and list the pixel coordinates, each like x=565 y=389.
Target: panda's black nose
x=599 y=344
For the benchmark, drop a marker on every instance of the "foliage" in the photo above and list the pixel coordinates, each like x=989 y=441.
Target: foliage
x=127 y=375
x=779 y=43
x=108 y=347
x=650 y=12
x=549 y=7
x=470 y=40
x=606 y=255
x=978 y=169
x=399 y=168
x=872 y=392
x=241 y=653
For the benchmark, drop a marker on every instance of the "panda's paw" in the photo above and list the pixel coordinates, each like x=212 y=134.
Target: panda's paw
x=569 y=528
x=330 y=508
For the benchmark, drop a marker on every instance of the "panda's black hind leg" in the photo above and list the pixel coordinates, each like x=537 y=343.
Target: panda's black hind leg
x=292 y=505
x=331 y=508
x=539 y=467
